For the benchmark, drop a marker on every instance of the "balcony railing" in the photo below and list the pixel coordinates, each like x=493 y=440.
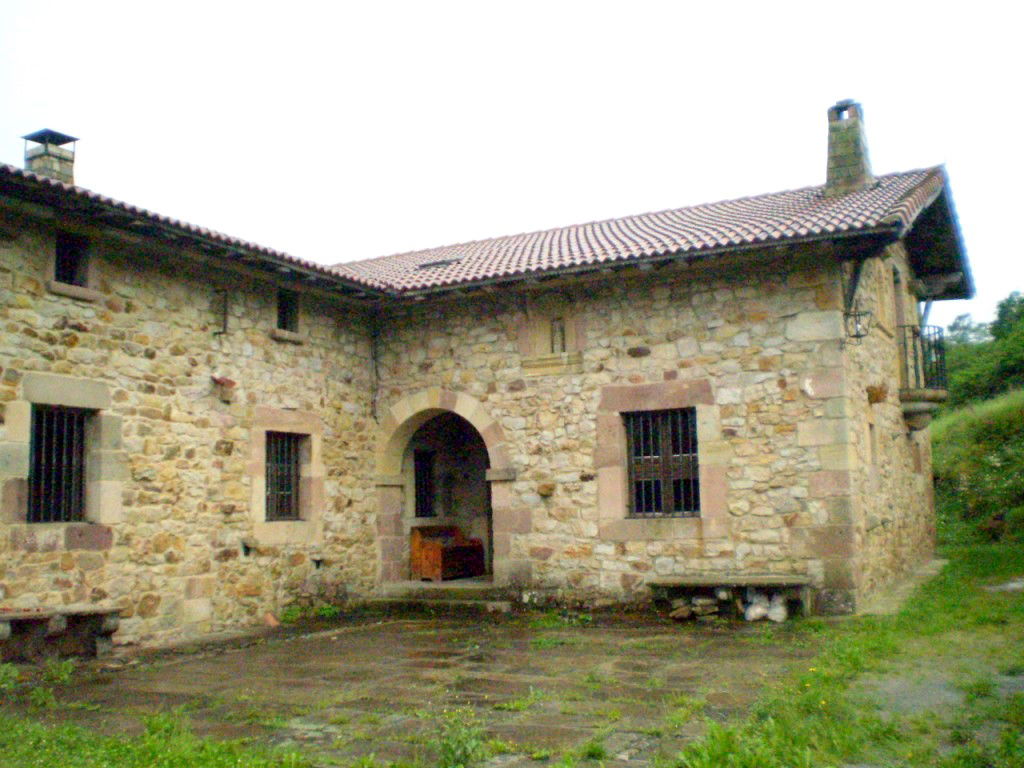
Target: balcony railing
x=922 y=357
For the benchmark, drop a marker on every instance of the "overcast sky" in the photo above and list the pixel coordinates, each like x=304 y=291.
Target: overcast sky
x=339 y=131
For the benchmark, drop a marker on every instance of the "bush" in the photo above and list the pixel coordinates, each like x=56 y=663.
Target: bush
x=979 y=470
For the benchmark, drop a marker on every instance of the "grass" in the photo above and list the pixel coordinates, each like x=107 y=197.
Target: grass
x=816 y=720
x=166 y=742
x=522 y=703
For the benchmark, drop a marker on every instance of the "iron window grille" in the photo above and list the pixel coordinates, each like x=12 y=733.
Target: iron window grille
x=284 y=460
x=662 y=456
x=56 y=475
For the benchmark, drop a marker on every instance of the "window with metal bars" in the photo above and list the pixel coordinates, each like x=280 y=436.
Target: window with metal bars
x=284 y=460
x=56 y=475
x=662 y=458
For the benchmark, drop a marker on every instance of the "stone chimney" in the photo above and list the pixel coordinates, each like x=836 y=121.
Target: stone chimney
x=849 y=168
x=46 y=153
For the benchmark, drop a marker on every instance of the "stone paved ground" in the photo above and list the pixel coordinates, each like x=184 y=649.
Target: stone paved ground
x=542 y=684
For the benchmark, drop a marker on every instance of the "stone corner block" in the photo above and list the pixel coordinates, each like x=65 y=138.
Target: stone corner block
x=818 y=432
x=815 y=326
x=51 y=389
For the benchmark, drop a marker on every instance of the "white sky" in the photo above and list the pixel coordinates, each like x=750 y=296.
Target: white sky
x=338 y=131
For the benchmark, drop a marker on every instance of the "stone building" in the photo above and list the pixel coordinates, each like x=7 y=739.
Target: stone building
x=197 y=430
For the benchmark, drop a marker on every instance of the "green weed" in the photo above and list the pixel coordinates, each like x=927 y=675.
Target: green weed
x=326 y=611
x=594 y=750
x=522 y=703
x=58 y=672
x=42 y=698
x=9 y=678
x=460 y=740
x=546 y=642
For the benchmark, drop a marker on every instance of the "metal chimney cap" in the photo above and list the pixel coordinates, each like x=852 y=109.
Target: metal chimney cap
x=46 y=136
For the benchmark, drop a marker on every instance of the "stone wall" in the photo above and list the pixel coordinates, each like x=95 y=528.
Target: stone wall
x=756 y=350
x=892 y=497
x=173 y=537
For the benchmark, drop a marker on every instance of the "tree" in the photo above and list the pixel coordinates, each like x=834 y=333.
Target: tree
x=980 y=369
x=963 y=330
x=1009 y=314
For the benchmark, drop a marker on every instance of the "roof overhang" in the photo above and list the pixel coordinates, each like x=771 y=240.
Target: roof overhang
x=89 y=208
x=936 y=250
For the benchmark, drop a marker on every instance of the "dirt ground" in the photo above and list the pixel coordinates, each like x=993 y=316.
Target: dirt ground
x=541 y=684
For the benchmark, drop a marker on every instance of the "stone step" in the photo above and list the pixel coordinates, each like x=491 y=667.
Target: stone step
x=431 y=591
x=439 y=605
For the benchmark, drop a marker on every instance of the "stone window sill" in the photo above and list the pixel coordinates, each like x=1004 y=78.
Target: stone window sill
x=61 y=537
x=73 y=291
x=651 y=529
x=556 y=364
x=288 y=337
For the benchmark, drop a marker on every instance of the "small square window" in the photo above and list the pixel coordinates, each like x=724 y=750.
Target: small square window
x=283 y=464
x=662 y=462
x=71 y=260
x=287 y=311
x=56 y=481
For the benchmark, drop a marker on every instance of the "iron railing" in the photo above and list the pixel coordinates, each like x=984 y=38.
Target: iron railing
x=922 y=357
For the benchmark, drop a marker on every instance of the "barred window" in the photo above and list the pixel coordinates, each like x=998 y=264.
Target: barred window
x=662 y=457
x=284 y=459
x=56 y=479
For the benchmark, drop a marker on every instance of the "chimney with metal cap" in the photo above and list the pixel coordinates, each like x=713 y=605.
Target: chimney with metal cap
x=47 y=153
x=849 y=168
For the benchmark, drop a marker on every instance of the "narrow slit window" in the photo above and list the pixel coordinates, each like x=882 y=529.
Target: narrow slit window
x=287 y=310
x=71 y=260
x=662 y=463
x=56 y=481
x=558 y=345
x=284 y=461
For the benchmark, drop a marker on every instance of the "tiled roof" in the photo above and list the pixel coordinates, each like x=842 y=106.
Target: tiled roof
x=88 y=202
x=891 y=205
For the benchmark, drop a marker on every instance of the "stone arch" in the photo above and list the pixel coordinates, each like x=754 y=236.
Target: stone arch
x=397 y=426
x=407 y=415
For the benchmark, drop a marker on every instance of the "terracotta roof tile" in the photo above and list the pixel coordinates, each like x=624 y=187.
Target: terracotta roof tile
x=891 y=204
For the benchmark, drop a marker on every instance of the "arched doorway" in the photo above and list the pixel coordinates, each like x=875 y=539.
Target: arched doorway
x=446 y=465
x=396 y=492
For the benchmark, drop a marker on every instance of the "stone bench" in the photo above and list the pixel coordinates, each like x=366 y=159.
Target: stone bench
x=71 y=630
x=794 y=587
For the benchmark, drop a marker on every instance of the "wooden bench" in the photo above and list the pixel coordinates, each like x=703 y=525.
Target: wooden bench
x=71 y=630
x=794 y=587
x=439 y=552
